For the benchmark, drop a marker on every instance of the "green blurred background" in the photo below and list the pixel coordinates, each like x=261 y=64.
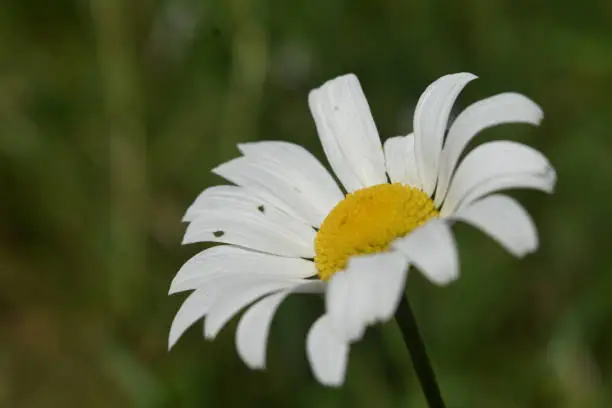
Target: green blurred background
x=112 y=112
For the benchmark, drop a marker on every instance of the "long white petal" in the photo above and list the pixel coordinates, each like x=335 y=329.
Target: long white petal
x=193 y=308
x=430 y=122
x=432 y=249
x=367 y=292
x=494 y=160
x=218 y=197
x=198 y=304
x=227 y=196
x=251 y=228
x=249 y=201
x=542 y=182
x=401 y=161
x=498 y=109
x=254 y=327
x=234 y=300
x=225 y=260
x=312 y=183
x=505 y=220
x=327 y=353
x=348 y=133
x=276 y=184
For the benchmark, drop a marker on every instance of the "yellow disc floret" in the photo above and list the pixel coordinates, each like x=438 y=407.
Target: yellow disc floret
x=367 y=221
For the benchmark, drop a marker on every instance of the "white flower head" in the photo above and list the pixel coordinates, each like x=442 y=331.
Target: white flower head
x=289 y=228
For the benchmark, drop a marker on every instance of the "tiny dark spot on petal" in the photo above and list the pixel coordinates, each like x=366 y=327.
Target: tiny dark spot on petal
x=219 y=234
x=261 y=209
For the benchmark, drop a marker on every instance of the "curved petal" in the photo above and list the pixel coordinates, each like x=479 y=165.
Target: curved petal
x=254 y=326
x=505 y=220
x=198 y=304
x=202 y=301
x=250 y=200
x=211 y=199
x=348 y=133
x=542 y=182
x=400 y=160
x=193 y=308
x=311 y=184
x=430 y=122
x=367 y=292
x=248 y=227
x=327 y=353
x=226 y=260
x=431 y=248
x=274 y=183
x=496 y=110
x=238 y=297
x=499 y=159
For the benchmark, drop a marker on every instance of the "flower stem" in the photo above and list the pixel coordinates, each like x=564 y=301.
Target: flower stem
x=410 y=331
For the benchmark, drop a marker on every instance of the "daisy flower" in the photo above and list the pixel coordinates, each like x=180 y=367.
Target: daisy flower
x=288 y=227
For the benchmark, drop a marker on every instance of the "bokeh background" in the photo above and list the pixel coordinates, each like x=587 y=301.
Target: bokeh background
x=112 y=112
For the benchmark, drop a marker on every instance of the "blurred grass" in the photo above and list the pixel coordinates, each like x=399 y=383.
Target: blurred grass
x=112 y=113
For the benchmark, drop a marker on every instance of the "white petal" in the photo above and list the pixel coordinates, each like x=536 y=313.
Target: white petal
x=201 y=302
x=498 y=109
x=431 y=248
x=348 y=133
x=430 y=122
x=226 y=306
x=254 y=326
x=327 y=353
x=221 y=197
x=248 y=227
x=225 y=260
x=198 y=304
x=194 y=308
x=216 y=197
x=545 y=183
x=367 y=292
x=249 y=201
x=494 y=160
x=276 y=184
x=311 y=183
x=401 y=161
x=505 y=220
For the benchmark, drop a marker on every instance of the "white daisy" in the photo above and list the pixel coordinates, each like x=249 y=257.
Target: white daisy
x=289 y=227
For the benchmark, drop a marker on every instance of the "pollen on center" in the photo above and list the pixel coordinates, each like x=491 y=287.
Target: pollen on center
x=367 y=221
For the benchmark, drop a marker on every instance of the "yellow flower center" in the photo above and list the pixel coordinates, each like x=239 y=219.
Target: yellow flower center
x=367 y=221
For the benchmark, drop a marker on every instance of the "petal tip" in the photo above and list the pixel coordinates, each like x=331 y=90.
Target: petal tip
x=255 y=365
x=175 y=287
x=462 y=76
x=243 y=148
x=326 y=353
x=217 y=170
x=331 y=383
x=446 y=280
x=540 y=116
x=340 y=80
x=551 y=174
x=172 y=339
x=209 y=332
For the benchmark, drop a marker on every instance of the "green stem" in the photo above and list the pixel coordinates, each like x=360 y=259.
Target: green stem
x=410 y=331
